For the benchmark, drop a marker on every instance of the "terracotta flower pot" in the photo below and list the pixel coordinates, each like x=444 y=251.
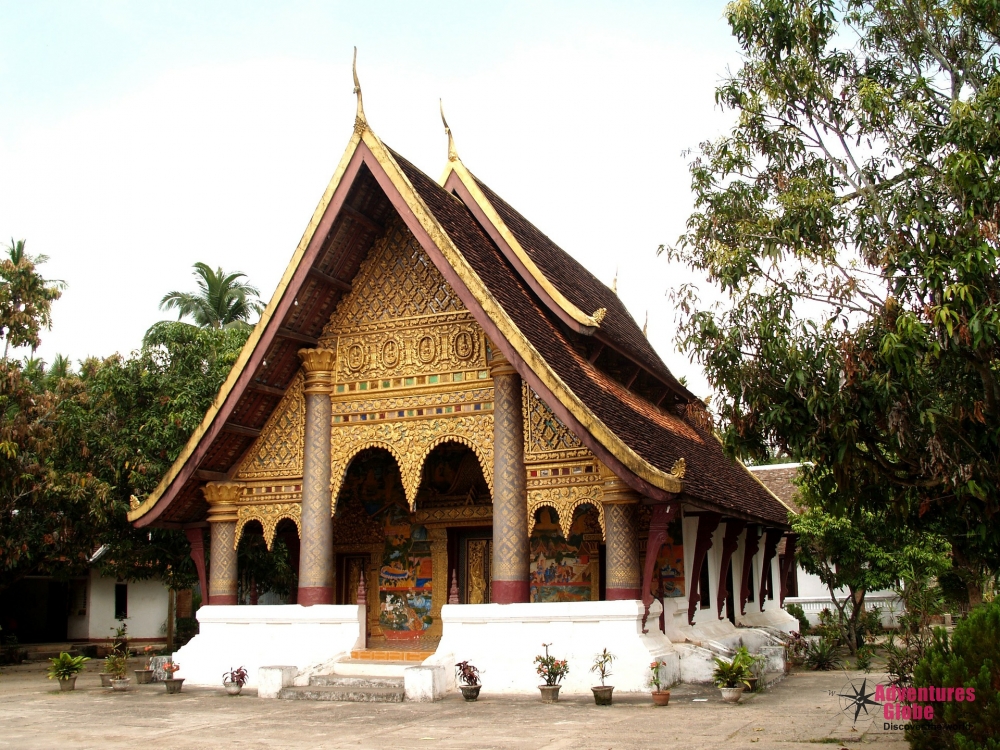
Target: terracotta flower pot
x=68 y=684
x=753 y=684
x=661 y=697
x=732 y=695
x=602 y=694
x=143 y=676
x=174 y=684
x=550 y=693
x=470 y=692
x=120 y=685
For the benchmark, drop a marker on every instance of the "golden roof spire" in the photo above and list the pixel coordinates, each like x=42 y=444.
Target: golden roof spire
x=614 y=282
x=645 y=326
x=360 y=122
x=452 y=151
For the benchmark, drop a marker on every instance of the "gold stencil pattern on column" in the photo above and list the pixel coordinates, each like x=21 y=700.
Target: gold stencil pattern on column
x=277 y=452
x=623 y=558
x=510 y=553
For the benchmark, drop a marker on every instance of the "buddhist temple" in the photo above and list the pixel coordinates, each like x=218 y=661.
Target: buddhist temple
x=470 y=448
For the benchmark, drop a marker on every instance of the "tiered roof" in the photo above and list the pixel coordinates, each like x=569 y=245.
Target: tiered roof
x=568 y=335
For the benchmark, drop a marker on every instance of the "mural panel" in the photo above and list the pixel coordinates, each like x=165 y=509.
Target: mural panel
x=670 y=563
x=565 y=569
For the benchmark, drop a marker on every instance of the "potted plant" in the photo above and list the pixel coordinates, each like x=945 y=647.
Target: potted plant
x=65 y=668
x=117 y=666
x=731 y=678
x=754 y=665
x=233 y=680
x=661 y=696
x=174 y=684
x=552 y=671
x=602 y=665
x=145 y=676
x=468 y=678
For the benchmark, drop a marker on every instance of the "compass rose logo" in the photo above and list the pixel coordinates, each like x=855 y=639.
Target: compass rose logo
x=855 y=700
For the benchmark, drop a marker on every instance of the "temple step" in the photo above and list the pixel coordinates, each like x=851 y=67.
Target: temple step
x=355 y=668
x=343 y=694
x=342 y=681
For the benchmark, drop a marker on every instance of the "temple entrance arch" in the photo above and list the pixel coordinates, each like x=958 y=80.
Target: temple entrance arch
x=454 y=504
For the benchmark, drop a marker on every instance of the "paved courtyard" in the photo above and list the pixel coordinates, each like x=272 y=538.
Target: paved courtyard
x=798 y=712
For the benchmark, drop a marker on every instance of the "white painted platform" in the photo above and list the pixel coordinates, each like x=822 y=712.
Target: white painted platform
x=265 y=635
x=503 y=639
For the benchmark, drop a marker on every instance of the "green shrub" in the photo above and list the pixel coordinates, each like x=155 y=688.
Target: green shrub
x=864 y=657
x=796 y=611
x=822 y=655
x=971 y=659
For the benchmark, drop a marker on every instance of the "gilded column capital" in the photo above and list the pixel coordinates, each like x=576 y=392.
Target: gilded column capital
x=499 y=364
x=319 y=366
x=222 y=498
x=616 y=492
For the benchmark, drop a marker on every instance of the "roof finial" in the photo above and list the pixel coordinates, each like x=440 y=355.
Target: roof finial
x=360 y=122
x=452 y=151
x=645 y=326
x=614 y=282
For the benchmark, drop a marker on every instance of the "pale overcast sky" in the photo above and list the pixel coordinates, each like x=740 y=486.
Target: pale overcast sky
x=138 y=138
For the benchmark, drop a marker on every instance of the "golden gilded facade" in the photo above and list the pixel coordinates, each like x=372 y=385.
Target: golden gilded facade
x=412 y=372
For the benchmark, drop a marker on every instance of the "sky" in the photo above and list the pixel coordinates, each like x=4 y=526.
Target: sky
x=139 y=138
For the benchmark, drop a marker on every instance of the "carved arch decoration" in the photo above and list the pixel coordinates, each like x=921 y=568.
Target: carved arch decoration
x=269 y=516
x=564 y=501
x=410 y=443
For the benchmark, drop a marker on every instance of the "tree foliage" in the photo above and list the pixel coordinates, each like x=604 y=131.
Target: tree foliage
x=222 y=300
x=850 y=221
x=859 y=553
x=26 y=298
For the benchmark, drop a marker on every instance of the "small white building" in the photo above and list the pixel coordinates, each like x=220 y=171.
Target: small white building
x=97 y=603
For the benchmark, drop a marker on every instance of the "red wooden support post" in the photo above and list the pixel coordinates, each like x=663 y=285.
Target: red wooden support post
x=663 y=514
x=771 y=539
x=729 y=544
x=787 y=566
x=707 y=524
x=196 y=538
x=750 y=548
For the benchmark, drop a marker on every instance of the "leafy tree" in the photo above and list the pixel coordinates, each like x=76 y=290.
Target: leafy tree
x=850 y=222
x=25 y=298
x=222 y=300
x=861 y=552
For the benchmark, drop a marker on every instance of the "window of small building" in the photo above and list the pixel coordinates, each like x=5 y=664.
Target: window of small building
x=704 y=588
x=791 y=579
x=121 y=601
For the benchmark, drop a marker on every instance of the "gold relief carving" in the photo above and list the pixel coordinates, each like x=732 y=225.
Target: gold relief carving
x=277 y=452
x=405 y=348
x=390 y=353
x=477 y=565
x=409 y=443
x=545 y=436
x=269 y=516
x=565 y=501
x=475 y=514
x=679 y=468
x=413 y=401
x=396 y=280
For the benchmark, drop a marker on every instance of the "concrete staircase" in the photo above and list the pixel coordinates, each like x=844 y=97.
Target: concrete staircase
x=354 y=681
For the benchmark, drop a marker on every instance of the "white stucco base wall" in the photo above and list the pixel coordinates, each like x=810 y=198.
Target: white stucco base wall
x=267 y=635
x=502 y=640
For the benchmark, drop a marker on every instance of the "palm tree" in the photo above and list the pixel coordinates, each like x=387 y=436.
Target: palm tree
x=222 y=300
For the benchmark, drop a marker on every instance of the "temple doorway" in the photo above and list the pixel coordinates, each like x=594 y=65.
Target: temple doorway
x=474 y=548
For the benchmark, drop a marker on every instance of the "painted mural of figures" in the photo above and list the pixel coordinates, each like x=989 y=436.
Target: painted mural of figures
x=561 y=570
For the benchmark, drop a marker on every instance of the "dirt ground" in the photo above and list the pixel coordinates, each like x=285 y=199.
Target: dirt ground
x=801 y=711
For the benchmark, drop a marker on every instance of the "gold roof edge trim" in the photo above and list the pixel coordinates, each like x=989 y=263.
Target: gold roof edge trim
x=455 y=165
x=590 y=422
x=255 y=336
